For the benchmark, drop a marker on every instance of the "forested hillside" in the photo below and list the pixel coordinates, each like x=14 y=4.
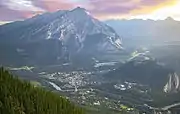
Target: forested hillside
x=20 y=97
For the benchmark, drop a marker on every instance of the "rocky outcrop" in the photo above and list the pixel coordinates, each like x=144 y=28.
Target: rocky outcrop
x=173 y=83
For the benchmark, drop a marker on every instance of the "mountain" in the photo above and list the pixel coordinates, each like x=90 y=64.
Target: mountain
x=146 y=72
x=145 y=84
x=138 y=32
x=160 y=38
x=57 y=38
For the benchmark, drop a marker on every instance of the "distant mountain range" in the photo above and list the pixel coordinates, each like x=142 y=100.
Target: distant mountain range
x=56 y=38
x=146 y=32
x=161 y=38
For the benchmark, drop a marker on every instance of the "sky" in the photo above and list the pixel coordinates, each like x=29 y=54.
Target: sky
x=12 y=10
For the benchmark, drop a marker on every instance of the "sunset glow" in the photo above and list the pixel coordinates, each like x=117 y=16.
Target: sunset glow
x=162 y=13
x=12 y=10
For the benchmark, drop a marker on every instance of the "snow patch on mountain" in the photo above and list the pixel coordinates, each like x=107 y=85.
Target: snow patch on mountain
x=78 y=23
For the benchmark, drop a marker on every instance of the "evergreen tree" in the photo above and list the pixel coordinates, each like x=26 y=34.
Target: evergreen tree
x=20 y=97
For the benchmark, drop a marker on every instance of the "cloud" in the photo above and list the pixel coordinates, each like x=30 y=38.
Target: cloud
x=110 y=8
x=149 y=6
x=54 y=5
x=21 y=5
x=17 y=9
x=20 y=9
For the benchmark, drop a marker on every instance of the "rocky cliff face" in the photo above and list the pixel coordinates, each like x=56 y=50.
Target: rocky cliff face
x=172 y=84
x=58 y=36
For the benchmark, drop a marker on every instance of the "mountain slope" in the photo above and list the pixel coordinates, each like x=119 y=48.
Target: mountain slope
x=147 y=72
x=59 y=36
x=18 y=97
x=145 y=84
x=144 y=32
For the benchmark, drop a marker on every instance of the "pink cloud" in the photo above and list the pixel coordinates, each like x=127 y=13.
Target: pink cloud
x=96 y=7
x=54 y=5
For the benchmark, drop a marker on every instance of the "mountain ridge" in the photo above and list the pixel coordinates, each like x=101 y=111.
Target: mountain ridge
x=147 y=72
x=145 y=32
x=68 y=32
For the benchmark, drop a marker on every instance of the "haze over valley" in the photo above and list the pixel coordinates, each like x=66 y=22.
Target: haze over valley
x=109 y=66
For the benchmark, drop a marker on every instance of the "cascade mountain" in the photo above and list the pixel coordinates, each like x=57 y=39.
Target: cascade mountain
x=57 y=37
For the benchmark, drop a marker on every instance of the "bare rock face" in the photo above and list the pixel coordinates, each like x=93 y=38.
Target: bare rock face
x=57 y=37
x=172 y=84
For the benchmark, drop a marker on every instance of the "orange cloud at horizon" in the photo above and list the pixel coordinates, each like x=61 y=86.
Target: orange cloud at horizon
x=149 y=9
x=142 y=10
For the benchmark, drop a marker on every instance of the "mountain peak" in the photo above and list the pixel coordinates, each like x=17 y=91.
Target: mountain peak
x=169 y=19
x=79 y=9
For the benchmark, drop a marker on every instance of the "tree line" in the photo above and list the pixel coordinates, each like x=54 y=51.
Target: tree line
x=20 y=97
